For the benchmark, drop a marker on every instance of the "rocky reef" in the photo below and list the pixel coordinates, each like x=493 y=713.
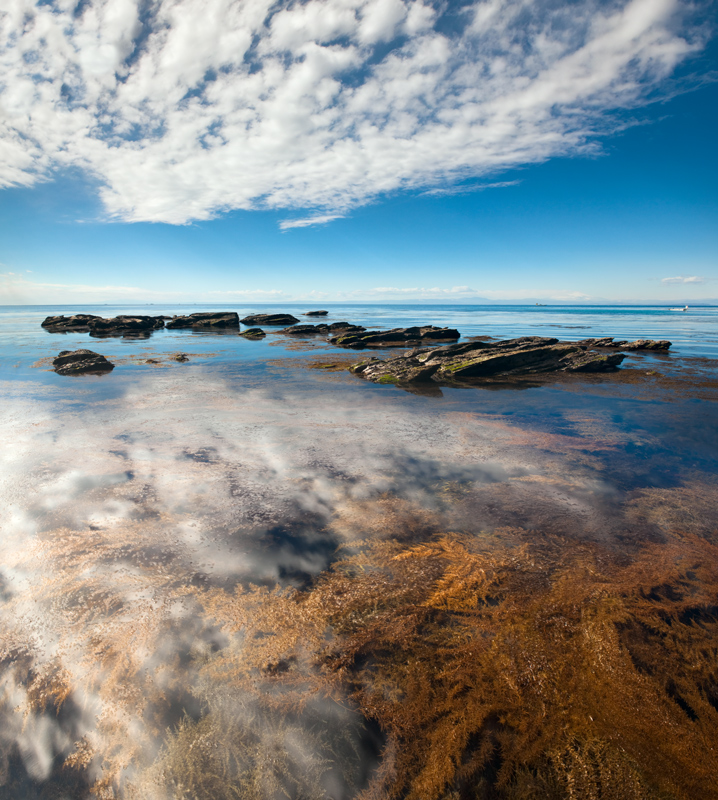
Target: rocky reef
x=524 y=356
x=336 y=327
x=124 y=324
x=315 y=313
x=81 y=362
x=269 y=319
x=75 y=323
x=623 y=344
x=224 y=319
x=396 y=337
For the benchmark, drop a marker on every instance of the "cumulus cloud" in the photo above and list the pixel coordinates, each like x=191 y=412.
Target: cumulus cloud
x=684 y=279
x=182 y=109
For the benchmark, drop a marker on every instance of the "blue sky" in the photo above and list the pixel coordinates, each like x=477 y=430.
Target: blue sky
x=517 y=170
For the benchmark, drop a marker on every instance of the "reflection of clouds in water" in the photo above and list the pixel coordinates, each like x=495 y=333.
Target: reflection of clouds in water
x=118 y=513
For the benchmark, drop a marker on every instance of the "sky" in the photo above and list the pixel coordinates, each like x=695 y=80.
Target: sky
x=358 y=151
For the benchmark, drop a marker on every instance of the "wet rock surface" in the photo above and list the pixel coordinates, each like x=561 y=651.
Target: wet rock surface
x=81 y=362
x=76 y=322
x=124 y=324
x=336 y=327
x=315 y=313
x=474 y=360
x=253 y=333
x=623 y=344
x=269 y=319
x=396 y=337
x=224 y=319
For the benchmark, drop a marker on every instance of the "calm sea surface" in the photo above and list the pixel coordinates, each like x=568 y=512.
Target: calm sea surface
x=256 y=576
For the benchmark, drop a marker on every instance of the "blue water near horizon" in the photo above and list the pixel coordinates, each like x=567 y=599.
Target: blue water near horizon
x=693 y=332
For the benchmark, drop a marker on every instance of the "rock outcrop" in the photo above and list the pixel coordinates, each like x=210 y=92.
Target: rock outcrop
x=473 y=360
x=77 y=322
x=310 y=330
x=315 y=313
x=396 y=337
x=81 y=362
x=205 y=319
x=253 y=333
x=269 y=319
x=124 y=324
x=623 y=344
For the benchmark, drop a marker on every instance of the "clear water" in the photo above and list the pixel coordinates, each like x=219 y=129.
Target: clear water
x=139 y=508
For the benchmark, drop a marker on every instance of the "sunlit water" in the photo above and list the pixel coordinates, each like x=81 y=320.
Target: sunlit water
x=244 y=577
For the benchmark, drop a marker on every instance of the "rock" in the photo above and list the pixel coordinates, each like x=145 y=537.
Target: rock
x=253 y=333
x=471 y=360
x=124 y=324
x=345 y=326
x=181 y=357
x=81 y=362
x=269 y=319
x=77 y=322
x=396 y=337
x=315 y=313
x=639 y=344
x=305 y=329
x=208 y=319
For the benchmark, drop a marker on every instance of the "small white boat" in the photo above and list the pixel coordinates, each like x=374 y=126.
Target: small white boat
x=685 y=308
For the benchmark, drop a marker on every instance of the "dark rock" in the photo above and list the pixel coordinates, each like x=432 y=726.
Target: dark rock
x=253 y=333
x=345 y=326
x=181 y=357
x=208 y=319
x=623 y=344
x=316 y=313
x=305 y=329
x=81 y=362
x=396 y=337
x=124 y=324
x=269 y=319
x=472 y=360
x=77 y=322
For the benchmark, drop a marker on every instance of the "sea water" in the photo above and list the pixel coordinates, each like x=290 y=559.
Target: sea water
x=254 y=574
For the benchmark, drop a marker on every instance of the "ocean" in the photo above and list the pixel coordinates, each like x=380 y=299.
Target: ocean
x=255 y=575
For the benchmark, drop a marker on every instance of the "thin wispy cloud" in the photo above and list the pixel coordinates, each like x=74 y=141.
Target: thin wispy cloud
x=182 y=110
x=684 y=279
x=321 y=219
x=468 y=188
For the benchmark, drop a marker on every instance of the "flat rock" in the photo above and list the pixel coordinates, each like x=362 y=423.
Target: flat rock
x=123 y=324
x=474 y=360
x=396 y=337
x=310 y=330
x=206 y=319
x=81 y=362
x=623 y=344
x=253 y=333
x=315 y=313
x=76 y=322
x=269 y=319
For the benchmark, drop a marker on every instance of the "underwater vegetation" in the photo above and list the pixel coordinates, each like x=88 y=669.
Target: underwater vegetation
x=424 y=663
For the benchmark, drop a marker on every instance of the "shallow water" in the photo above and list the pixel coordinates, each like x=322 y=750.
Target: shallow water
x=245 y=577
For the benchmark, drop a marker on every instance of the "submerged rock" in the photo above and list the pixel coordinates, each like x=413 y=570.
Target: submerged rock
x=81 y=362
x=123 y=324
x=77 y=322
x=315 y=313
x=524 y=356
x=269 y=319
x=396 y=337
x=253 y=333
x=208 y=319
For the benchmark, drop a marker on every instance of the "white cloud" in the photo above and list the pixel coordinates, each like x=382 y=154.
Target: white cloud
x=684 y=279
x=468 y=188
x=185 y=108
x=319 y=219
